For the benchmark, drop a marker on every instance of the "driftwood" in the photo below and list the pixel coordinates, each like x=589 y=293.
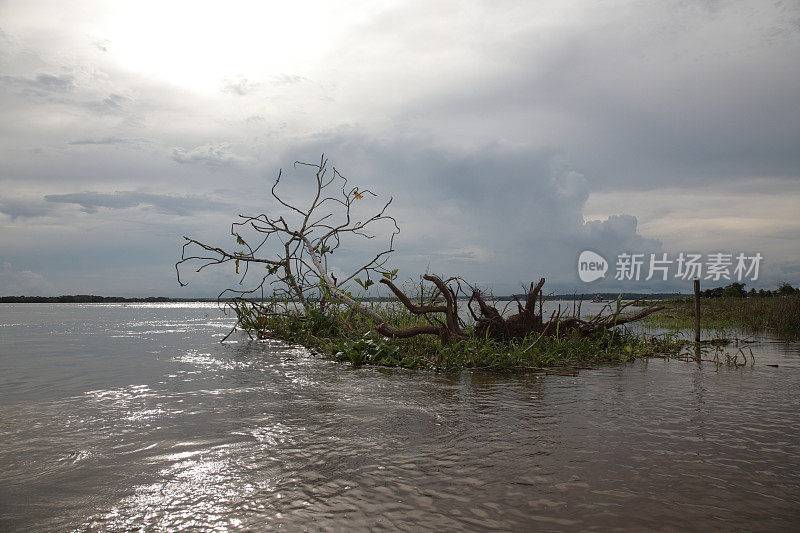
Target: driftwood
x=490 y=323
x=447 y=330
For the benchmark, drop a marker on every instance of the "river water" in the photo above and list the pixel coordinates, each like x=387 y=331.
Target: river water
x=126 y=417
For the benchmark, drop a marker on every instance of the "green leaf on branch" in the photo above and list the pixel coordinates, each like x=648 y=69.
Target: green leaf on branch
x=391 y=275
x=365 y=284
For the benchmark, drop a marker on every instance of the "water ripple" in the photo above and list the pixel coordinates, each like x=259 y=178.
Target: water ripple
x=166 y=430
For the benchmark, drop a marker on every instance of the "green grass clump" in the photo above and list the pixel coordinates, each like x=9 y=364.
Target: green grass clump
x=350 y=337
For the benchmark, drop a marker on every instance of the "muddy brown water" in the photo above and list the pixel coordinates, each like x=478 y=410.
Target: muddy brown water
x=127 y=417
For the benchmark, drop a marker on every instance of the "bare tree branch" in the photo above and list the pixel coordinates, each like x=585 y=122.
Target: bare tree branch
x=295 y=252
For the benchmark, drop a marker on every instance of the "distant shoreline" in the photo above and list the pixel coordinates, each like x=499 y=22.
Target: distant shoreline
x=91 y=298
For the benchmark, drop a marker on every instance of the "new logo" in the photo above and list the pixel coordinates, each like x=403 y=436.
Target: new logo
x=591 y=266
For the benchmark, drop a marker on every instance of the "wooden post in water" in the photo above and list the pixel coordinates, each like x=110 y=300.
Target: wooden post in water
x=696 y=309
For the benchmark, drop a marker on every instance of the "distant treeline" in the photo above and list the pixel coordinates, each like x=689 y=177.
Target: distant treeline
x=602 y=295
x=737 y=290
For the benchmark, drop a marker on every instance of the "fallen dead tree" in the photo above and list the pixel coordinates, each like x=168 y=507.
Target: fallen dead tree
x=289 y=254
x=489 y=322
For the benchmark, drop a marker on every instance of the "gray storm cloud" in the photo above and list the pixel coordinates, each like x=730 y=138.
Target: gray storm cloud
x=513 y=136
x=90 y=202
x=498 y=216
x=16 y=208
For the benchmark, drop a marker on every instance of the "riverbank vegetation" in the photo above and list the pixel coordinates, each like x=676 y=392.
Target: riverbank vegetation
x=778 y=314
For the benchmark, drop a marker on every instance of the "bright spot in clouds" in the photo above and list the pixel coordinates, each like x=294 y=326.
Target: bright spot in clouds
x=197 y=44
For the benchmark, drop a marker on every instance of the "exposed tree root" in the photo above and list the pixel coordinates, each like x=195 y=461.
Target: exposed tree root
x=490 y=323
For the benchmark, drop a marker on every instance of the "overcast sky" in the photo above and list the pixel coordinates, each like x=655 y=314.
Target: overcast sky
x=512 y=135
